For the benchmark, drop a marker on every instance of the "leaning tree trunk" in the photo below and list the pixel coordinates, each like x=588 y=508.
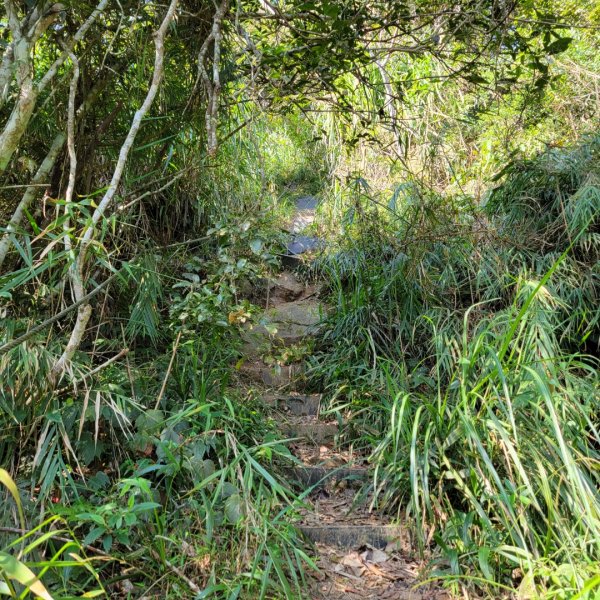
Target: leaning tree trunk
x=77 y=271
x=44 y=171
x=213 y=85
x=30 y=193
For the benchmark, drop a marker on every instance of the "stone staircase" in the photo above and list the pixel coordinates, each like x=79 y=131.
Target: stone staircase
x=360 y=554
x=345 y=534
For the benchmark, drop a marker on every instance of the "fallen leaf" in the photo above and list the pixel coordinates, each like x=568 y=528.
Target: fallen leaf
x=379 y=556
x=354 y=562
x=127 y=588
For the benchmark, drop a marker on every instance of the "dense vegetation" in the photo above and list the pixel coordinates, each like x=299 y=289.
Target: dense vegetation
x=149 y=155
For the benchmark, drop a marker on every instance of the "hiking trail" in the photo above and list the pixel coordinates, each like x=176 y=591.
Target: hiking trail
x=360 y=554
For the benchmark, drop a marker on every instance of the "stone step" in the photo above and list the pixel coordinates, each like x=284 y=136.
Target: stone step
x=285 y=288
x=291 y=261
x=303 y=244
x=304 y=214
x=300 y=249
x=285 y=324
x=294 y=320
x=352 y=536
x=274 y=377
x=295 y=404
x=314 y=432
x=319 y=476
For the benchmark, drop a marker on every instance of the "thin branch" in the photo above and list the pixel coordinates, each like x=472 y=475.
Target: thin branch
x=164 y=383
x=72 y=157
x=213 y=106
x=79 y=35
x=95 y=370
x=212 y=87
x=23 y=338
x=193 y=587
x=152 y=192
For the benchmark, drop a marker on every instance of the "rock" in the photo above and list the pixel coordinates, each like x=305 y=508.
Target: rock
x=272 y=377
x=300 y=243
x=285 y=288
x=288 y=323
x=291 y=261
x=307 y=203
x=315 y=432
x=305 y=313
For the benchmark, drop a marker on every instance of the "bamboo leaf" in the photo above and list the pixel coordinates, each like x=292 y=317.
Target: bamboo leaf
x=9 y=484
x=17 y=571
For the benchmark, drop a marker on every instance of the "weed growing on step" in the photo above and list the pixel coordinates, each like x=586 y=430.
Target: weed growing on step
x=287 y=355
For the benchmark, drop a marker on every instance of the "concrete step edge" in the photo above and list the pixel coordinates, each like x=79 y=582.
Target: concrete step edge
x=352 y=536
x=317 y=476
x=301 y=405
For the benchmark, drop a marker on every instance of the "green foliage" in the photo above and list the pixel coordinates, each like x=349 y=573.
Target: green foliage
x=293 y=353
x=210 y=463
x=144 y=319
x=460 y=362
x=37 y=549
x=209 y=293
x=114 y=521
x=494 y=465
x=550 y=204
x=455 y=353
x=198 y=469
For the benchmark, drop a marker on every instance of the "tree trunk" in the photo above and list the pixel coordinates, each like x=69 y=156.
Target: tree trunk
x=6 y=73
x=84 y=312
x=23 y=42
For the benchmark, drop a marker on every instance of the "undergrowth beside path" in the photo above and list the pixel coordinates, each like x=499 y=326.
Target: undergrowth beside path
x=468 y=364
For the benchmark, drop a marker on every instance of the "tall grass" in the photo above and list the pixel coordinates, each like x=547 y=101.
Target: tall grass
x=457 y=350
x=499 y=466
